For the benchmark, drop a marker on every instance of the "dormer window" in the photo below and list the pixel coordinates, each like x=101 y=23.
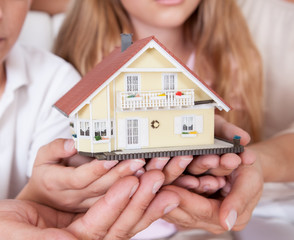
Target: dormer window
x=169 y=81
x=132 y=82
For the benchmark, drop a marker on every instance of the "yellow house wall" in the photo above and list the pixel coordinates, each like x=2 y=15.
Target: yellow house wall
x=99 y=112
x=151 y=58
x=151 y=81
x=165 y=136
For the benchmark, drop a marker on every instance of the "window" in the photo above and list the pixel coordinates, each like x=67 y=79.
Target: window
x=188 y=123
x=84 y=128
x=100 y=129
x=111 y=128
x=169 y=81
x=132 y=83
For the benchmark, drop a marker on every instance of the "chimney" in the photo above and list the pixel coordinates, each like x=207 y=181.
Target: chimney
x=126 y=40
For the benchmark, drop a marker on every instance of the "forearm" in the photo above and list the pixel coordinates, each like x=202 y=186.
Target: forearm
x=277 y=158
x=51 y=7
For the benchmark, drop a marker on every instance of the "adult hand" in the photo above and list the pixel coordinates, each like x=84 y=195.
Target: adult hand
x=222 y=165
x=128 y=207
x=73 y=188
x=217 y=215
x=216 y=165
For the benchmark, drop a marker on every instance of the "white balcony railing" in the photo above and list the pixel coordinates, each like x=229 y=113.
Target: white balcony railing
x=156 y=99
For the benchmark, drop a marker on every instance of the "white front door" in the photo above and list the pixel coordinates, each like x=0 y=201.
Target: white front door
x=133 y=133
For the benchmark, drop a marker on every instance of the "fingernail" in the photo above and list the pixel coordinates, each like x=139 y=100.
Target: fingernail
x=170 y=207
x=134 y=189
x=140 y=172
x=231 y=219
x=69 y=145
x=136 y=165
x=227 y=188
x=157 y=186
x=206 y=188
x=185 y=160
x=110 y=164
x=160 y=163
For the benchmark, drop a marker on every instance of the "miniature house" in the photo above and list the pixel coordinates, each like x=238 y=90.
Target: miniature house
x=142 y=101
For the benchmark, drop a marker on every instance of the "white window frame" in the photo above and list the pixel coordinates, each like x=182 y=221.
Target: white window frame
x=167 y=77
x=83 y=125
x=130 y=88
x=138 y=144
x=103 y=128
x=188 y=119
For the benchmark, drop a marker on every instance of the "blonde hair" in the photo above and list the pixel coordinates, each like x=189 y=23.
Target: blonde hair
x=225 y=52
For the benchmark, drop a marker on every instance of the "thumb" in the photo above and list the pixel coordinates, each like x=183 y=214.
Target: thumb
x=54 y=151
x=236 y=209
x=226 y=130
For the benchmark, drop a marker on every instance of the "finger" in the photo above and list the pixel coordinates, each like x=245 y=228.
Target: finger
x=194 y=211
x=157 y=163
x=228 y=162
x=140 y=172
x=226 y=189
x=248 y=157
x=101 y=216
x=246 y=190
x=163 y=203
x=54 y=151
x=227 y=130
x=67 y=178
x=203 y=163
x=207 y=185
x=202 y=184
x=187 y=182
x=176 y=167
x=124 y=168
x=150 y=182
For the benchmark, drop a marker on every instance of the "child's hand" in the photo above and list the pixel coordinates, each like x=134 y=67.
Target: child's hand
x=72 y=188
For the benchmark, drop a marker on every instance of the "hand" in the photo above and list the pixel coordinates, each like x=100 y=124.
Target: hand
x=217 y=215
x=221 y=165
x=215 y=165
x=72 y=188
x=128 y=207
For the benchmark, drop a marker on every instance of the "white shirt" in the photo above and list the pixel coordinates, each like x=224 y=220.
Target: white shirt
x=35 y=81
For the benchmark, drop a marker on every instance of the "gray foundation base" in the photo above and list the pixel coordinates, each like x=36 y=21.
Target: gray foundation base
x=219 y=147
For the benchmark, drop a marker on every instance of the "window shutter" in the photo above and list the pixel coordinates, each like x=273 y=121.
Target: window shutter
x=198 y=121
x=121 y=133
x=144 y=128
x=178 y=125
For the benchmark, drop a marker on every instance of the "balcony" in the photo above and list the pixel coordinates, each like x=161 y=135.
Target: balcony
x=156 y=99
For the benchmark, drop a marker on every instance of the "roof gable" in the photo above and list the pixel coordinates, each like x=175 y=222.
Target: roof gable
x=104 y=72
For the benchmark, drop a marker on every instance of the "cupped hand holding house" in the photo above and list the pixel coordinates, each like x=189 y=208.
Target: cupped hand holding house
x=69 y=188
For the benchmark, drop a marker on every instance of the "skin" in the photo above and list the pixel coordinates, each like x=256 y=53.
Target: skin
x=72 y=188
x=10 y=27
x=129 y=206
x=51 y=7
x=165 y=22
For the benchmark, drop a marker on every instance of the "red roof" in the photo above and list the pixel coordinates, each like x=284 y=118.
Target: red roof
x=103 y=71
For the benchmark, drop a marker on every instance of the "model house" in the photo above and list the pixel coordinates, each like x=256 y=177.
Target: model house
x=142 y=101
